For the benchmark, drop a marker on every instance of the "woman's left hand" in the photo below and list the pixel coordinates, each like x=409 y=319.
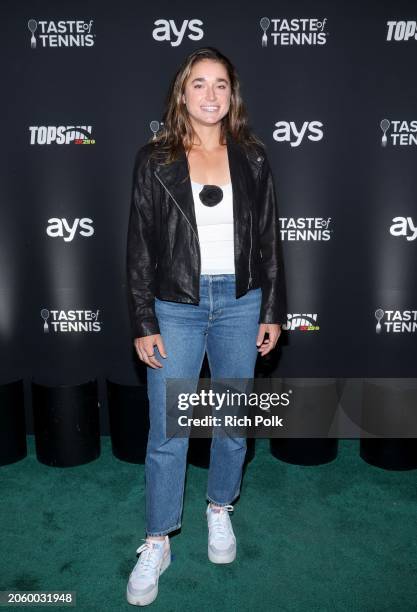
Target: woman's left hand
x=274 y=331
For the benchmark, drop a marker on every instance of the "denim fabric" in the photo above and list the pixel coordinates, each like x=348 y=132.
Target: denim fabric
x=226 y=328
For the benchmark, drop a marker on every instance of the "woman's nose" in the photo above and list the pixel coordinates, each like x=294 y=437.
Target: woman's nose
x=210 y=94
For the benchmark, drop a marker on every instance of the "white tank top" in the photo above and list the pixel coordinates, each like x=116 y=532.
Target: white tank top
x=215 y=231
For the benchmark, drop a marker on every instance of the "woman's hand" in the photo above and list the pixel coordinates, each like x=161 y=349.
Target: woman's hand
x=145 y=351
x=274 y=331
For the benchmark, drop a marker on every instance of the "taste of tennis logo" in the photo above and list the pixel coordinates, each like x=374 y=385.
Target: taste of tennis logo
x=396 y=321
x=63 y=33
x=398 y=133
x=69 y=321
x=293 y=32
x=309 y=229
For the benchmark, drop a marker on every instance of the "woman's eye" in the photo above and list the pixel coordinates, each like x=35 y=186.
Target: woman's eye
x=198 y=86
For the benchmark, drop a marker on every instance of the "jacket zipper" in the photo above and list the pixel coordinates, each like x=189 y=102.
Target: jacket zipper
x=259 y=159
x=250 y=250
x=188 y=221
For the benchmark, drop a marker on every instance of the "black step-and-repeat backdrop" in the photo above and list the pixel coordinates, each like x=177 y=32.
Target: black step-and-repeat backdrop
x=330 y=89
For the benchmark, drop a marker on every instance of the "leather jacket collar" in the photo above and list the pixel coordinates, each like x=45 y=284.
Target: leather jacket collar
x=176 y=180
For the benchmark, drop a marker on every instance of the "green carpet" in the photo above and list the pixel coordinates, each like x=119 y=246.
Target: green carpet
x=336 y=537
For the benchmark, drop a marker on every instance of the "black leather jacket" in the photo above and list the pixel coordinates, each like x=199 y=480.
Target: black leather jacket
x=163 y=250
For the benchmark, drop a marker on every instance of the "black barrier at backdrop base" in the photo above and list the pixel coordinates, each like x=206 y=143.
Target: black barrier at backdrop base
x=304 y=451
x=12 y=423
x=390 y=454
x=129 y=420
x=67 y=430
x=66 y=419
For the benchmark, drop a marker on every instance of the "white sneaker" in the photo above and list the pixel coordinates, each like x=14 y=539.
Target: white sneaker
x=221 y=539
x=142 y=587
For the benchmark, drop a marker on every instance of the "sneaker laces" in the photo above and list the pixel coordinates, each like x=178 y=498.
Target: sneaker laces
x=149 y=559
x=220 y=527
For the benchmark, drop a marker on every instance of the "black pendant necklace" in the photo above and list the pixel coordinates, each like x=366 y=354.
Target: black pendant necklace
x=211 y=195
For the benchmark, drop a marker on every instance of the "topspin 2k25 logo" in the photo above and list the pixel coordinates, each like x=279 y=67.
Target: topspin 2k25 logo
x=61 y=134
x=401 y=30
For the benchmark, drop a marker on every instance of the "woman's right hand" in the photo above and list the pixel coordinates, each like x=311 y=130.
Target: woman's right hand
x=145 y=351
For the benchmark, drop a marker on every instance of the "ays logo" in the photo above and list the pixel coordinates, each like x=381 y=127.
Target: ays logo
x=61 y=228
x=287 y=131
x=167 y=30
x=405 y=227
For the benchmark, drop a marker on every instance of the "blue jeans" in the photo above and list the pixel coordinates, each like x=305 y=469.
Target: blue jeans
x=227 y=328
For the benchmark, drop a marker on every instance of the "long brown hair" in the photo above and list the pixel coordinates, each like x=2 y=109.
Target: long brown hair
x=177 y=130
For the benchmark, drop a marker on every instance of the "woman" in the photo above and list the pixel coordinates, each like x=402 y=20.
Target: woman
x=204 y=269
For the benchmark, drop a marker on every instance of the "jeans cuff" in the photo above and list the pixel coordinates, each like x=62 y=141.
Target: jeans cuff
x=220 y=503
x=164 y=532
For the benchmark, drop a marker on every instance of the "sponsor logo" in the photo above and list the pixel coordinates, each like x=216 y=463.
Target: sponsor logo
x=61 y=228
x=287 y=131
x=166 y=30
x=61 y=134
x=395 y=321
x=293 y=32
x=70 y=321
x=301 y=322
x=405 y=227
x=401 y=30
x=398 y=133
x=309 y=229
x=63 y=33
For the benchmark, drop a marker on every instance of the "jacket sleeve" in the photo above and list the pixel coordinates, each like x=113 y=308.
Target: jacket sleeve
x=141 y=250
x=274 y=301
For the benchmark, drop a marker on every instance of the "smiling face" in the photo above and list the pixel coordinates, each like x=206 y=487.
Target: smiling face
x=207 y=92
